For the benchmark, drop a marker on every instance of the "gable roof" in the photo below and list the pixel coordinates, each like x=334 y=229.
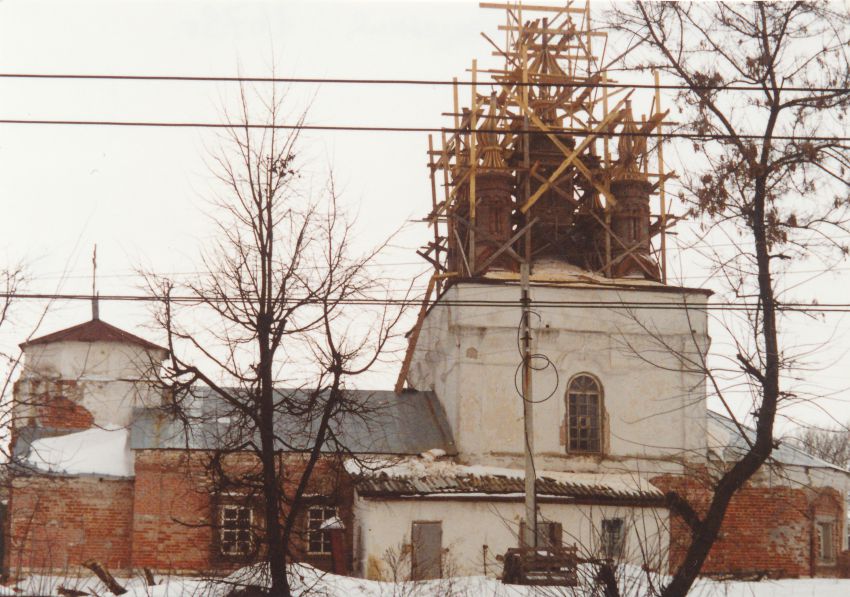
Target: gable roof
x=95 y=330
x=407 y=423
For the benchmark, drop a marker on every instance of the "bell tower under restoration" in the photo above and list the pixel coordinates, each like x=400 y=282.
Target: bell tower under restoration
x=549 y=166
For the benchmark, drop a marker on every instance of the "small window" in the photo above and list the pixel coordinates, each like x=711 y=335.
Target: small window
x=613 y=538
x=235 y=533
x=549 y=534
x=584 y=415
x=496 y=226
x=318 y=540
x=826 y=541
x=635 y=231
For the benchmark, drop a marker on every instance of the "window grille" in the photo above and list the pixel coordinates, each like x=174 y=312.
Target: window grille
x=613 y=538
x=235 y=533
x=318 y=540
x=584 y=417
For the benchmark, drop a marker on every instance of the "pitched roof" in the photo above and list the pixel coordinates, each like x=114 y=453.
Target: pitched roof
x=95 y=330
x=410 y=422
x=449 y=480
x=726 y=440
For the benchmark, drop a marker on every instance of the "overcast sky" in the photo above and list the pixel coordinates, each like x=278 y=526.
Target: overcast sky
x=139 y=193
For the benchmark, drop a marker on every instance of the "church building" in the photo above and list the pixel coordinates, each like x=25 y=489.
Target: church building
x=550 y=222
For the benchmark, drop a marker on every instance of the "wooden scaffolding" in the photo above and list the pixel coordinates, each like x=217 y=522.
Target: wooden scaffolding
x=547 y=161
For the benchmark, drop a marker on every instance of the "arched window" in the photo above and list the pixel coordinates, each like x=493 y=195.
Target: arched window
x=584 y=414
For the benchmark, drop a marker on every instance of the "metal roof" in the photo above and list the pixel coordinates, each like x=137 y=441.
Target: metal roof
x=733 y=445
x=93 y=331
x=407 y=423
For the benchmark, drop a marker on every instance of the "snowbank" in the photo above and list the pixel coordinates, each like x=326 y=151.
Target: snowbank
x=306 y=580
x=94 y=451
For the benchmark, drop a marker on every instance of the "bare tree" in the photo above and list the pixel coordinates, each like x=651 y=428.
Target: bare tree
x=11 y=279
x=831 y=444
x=775 y=178
x=275 y=297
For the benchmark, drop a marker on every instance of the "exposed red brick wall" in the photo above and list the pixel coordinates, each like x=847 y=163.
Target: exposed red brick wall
x=827 y=504
x=333 y=485
x=164 y=519
x=61 y=413
x=766 y=529
x=56 y=523
x=171 y=512
x=175 y=509
x=55 y=404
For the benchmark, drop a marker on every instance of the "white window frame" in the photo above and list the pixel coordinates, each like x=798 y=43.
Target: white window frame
x=224 y=531
x=582 y=434
x=826 y=541
x=324 y=537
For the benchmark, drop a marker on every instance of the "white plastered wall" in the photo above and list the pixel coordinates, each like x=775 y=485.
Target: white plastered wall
x=111 y=378
x=654 y=406
x=475 y=530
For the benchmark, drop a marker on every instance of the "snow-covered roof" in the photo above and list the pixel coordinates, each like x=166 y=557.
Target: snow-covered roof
x=100 y=451
x=725 y=439
x=428 y=476
x=561 y=273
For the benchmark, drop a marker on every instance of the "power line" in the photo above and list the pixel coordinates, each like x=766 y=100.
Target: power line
x=376 y=301
x=358 y=81
x=393 y=278
x=403 y=129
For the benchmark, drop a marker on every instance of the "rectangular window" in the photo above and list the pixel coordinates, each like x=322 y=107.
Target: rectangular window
x=826 y=541
x=318 y=540
x=549 y=534
x=236 y=537
x=613 y=538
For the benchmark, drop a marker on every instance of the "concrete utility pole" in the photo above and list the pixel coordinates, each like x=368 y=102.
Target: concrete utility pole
x=530 y=538
x=95 y=308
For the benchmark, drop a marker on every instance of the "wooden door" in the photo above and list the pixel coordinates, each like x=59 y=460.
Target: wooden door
x=426 y=550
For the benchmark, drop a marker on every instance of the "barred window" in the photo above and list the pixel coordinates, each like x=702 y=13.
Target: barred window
x=613 y=538
x=318 y=540
x=584 y=415
x=236 y=537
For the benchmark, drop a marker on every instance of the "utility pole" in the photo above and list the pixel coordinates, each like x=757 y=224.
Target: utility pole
x=95 y=310
x=530 y=538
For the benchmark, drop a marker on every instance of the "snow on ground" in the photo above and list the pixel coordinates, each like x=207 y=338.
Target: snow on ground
x=102 y=451
x=306 y=581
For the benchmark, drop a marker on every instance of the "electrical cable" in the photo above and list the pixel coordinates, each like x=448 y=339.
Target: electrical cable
x=411 y=129
x=547 y=362
x=359 y=81
x=377 y=301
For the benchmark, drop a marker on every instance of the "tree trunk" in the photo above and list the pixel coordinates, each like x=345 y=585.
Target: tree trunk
x=706 y=533
x=276 y=556
x=105 y=577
